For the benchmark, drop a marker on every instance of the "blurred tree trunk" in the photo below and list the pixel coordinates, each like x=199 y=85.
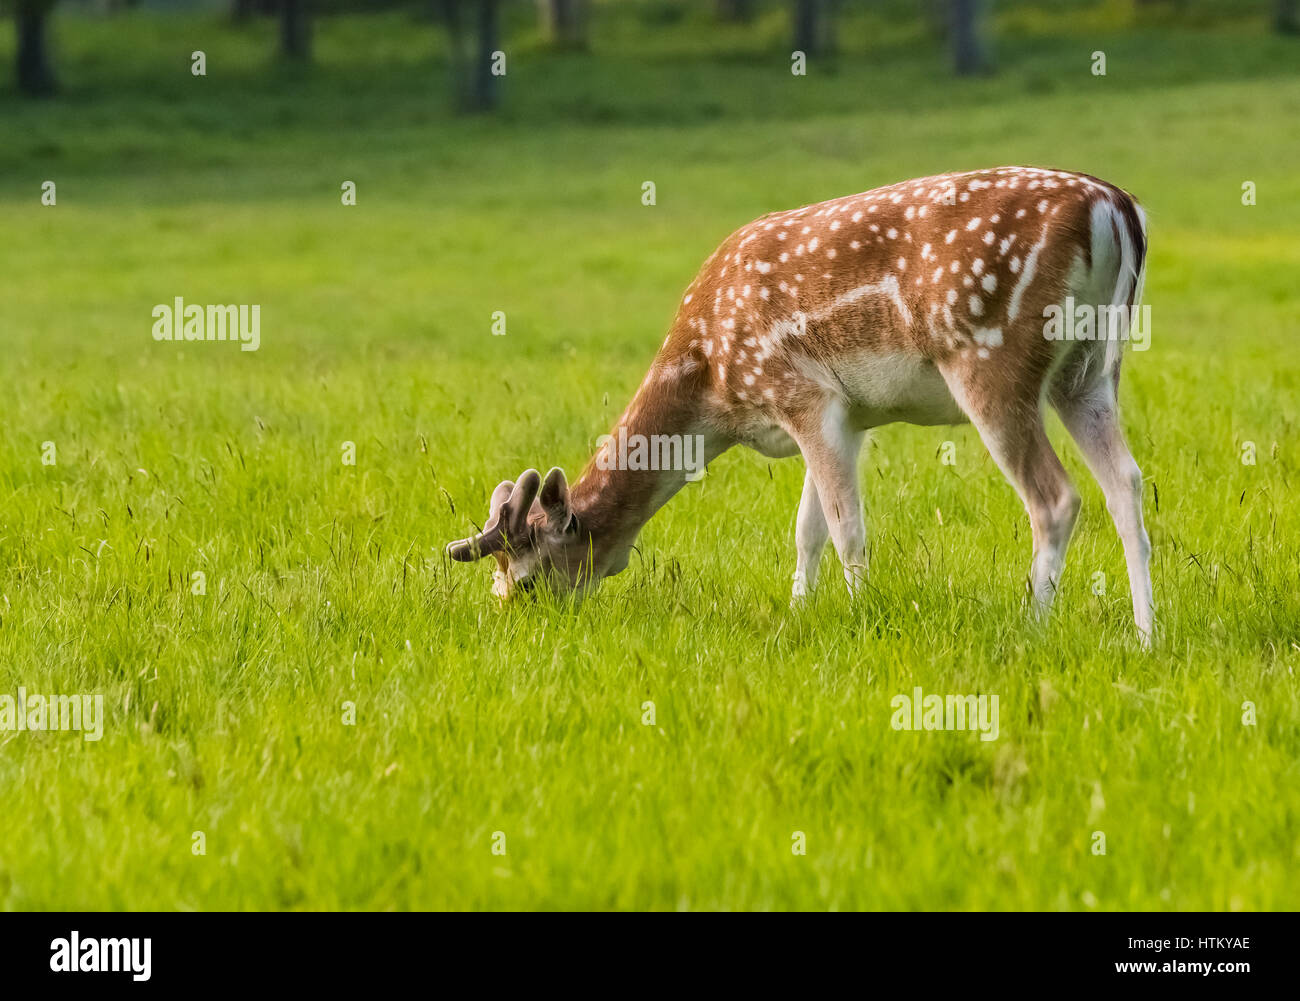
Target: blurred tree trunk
x=486 y=93
x=814 y=33
x=295 y=29
x=242 y=10
x=1286 y=17
x=965 y=24
x=474 y=33
x=452 y=16
x=564 y=22
x=31 y=23
x=735 y=11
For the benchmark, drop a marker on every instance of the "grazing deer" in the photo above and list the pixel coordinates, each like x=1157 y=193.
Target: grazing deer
x=921 y=302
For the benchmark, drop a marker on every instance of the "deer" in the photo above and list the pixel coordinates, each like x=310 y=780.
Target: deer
x=920 y=302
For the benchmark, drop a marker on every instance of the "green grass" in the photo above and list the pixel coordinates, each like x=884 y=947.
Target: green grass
x=326 y=583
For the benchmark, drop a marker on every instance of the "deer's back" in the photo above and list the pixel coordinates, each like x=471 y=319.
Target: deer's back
x=863 y=295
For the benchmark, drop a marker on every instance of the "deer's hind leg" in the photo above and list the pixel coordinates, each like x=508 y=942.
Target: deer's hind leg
x=1089 y=411
x=1009 y=419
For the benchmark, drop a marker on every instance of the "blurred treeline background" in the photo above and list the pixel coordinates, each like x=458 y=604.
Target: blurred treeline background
x=464 y=34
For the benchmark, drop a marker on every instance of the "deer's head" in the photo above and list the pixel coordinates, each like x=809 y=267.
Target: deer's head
x=535 y=537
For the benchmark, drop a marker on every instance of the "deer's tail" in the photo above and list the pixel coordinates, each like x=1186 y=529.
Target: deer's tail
x=1118 y=222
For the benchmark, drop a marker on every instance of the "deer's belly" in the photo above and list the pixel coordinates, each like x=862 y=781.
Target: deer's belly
x=883 y=388
x=771 y=441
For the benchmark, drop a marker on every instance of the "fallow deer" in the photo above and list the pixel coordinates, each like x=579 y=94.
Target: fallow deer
x=922 y=302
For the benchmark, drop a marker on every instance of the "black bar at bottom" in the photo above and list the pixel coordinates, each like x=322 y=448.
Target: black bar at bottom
x=304 y=951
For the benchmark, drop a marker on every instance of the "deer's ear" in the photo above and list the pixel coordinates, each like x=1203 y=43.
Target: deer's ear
x=555 y=499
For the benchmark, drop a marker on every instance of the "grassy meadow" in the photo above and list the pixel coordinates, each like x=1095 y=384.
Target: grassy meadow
x=325 y=583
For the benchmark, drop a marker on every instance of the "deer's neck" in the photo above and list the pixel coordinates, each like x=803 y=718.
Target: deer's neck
x=660 y=444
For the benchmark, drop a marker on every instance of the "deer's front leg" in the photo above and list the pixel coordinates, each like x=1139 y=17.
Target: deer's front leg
x=810 y=532
x=830 y=449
